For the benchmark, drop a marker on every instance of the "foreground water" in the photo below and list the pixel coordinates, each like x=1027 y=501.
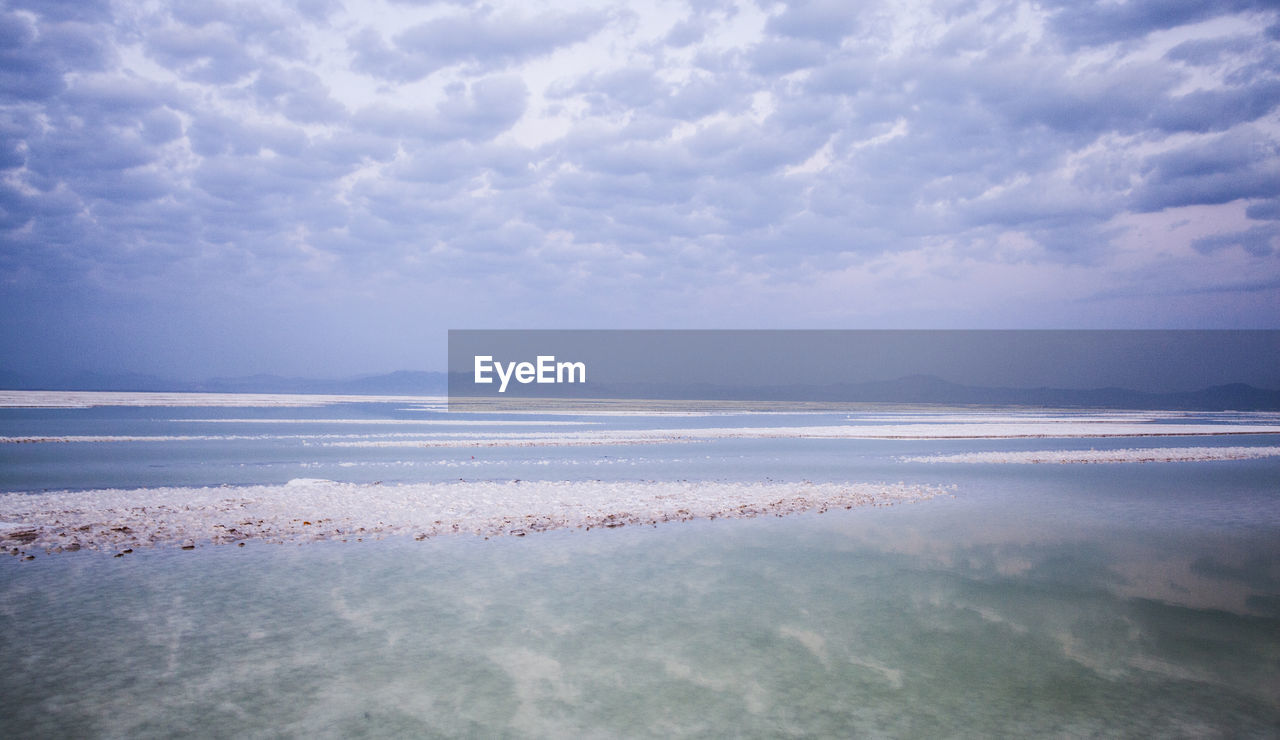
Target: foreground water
x=1116 y=599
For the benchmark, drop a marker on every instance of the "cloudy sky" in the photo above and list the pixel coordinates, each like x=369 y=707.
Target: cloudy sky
x=324 y=187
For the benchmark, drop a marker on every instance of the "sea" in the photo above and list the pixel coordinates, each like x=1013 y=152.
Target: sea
x=1070 y=573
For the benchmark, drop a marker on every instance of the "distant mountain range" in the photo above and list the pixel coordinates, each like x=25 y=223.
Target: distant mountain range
x=402 y=382
x=911 y=389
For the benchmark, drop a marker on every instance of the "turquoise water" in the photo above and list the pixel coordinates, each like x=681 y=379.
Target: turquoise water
x=1122 y=600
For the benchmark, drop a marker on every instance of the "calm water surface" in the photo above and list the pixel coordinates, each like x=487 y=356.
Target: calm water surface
x=1123 y=599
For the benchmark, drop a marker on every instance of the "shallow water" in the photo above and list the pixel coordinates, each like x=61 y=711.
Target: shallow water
x=1119 y=599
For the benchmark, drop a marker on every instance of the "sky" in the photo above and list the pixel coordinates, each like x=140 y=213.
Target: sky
x=324 y=188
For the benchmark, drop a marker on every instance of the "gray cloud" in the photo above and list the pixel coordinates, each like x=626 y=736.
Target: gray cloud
x=1206 y=52
x=250 y=22
x=476 y=112
x=1267 y=210
x=1259 y=241
x=482 y=39
x=1228 y=167
x=1091 y=24
x=298 y=94
x=785 y=55
x=33 y=60
x=1216 y=110
x=640 y=90
x=691 y=159
x=88 y=11
x=822 y=20
x=686 y=32
x=203 y=54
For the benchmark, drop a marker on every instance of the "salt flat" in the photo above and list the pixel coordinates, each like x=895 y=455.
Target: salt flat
x=996 y=428
x=313 y=509
x=1140 y=455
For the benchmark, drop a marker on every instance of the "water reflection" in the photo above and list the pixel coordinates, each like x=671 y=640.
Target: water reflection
x=972 y=615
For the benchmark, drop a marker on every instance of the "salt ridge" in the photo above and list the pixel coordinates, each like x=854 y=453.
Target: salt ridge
x=1142 y=455
x=310 y=509
x=992 y=430
x=1051 y=427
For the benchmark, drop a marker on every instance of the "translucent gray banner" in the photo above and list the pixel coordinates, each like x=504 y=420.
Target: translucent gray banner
x=1106 y=369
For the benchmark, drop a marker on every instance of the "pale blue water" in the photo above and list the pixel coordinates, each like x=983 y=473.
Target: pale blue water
x=1123 y=599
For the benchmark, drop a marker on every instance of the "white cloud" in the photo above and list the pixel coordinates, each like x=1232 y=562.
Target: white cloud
x=718 y=164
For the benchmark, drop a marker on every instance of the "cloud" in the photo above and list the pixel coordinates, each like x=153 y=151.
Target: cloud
x=1207 y=52
x=1217 y=110
x=1092 y=24
x=798 y=163
x=686 y=32
x=1259 y=241
x=88 y=11
x=478 y=111
x=213 y=55
x=1233 y=166
x=821 y=20
x=255 y=23
x=299 y=94
x=639 y=90
x=34 y=58
x=1267 y=210
x=775 y=57
x=483 y=39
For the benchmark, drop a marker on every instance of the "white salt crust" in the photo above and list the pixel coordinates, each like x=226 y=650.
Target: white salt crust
x=309 y=509
x=993 y=430
x=996 y=429
x=1143 y=455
